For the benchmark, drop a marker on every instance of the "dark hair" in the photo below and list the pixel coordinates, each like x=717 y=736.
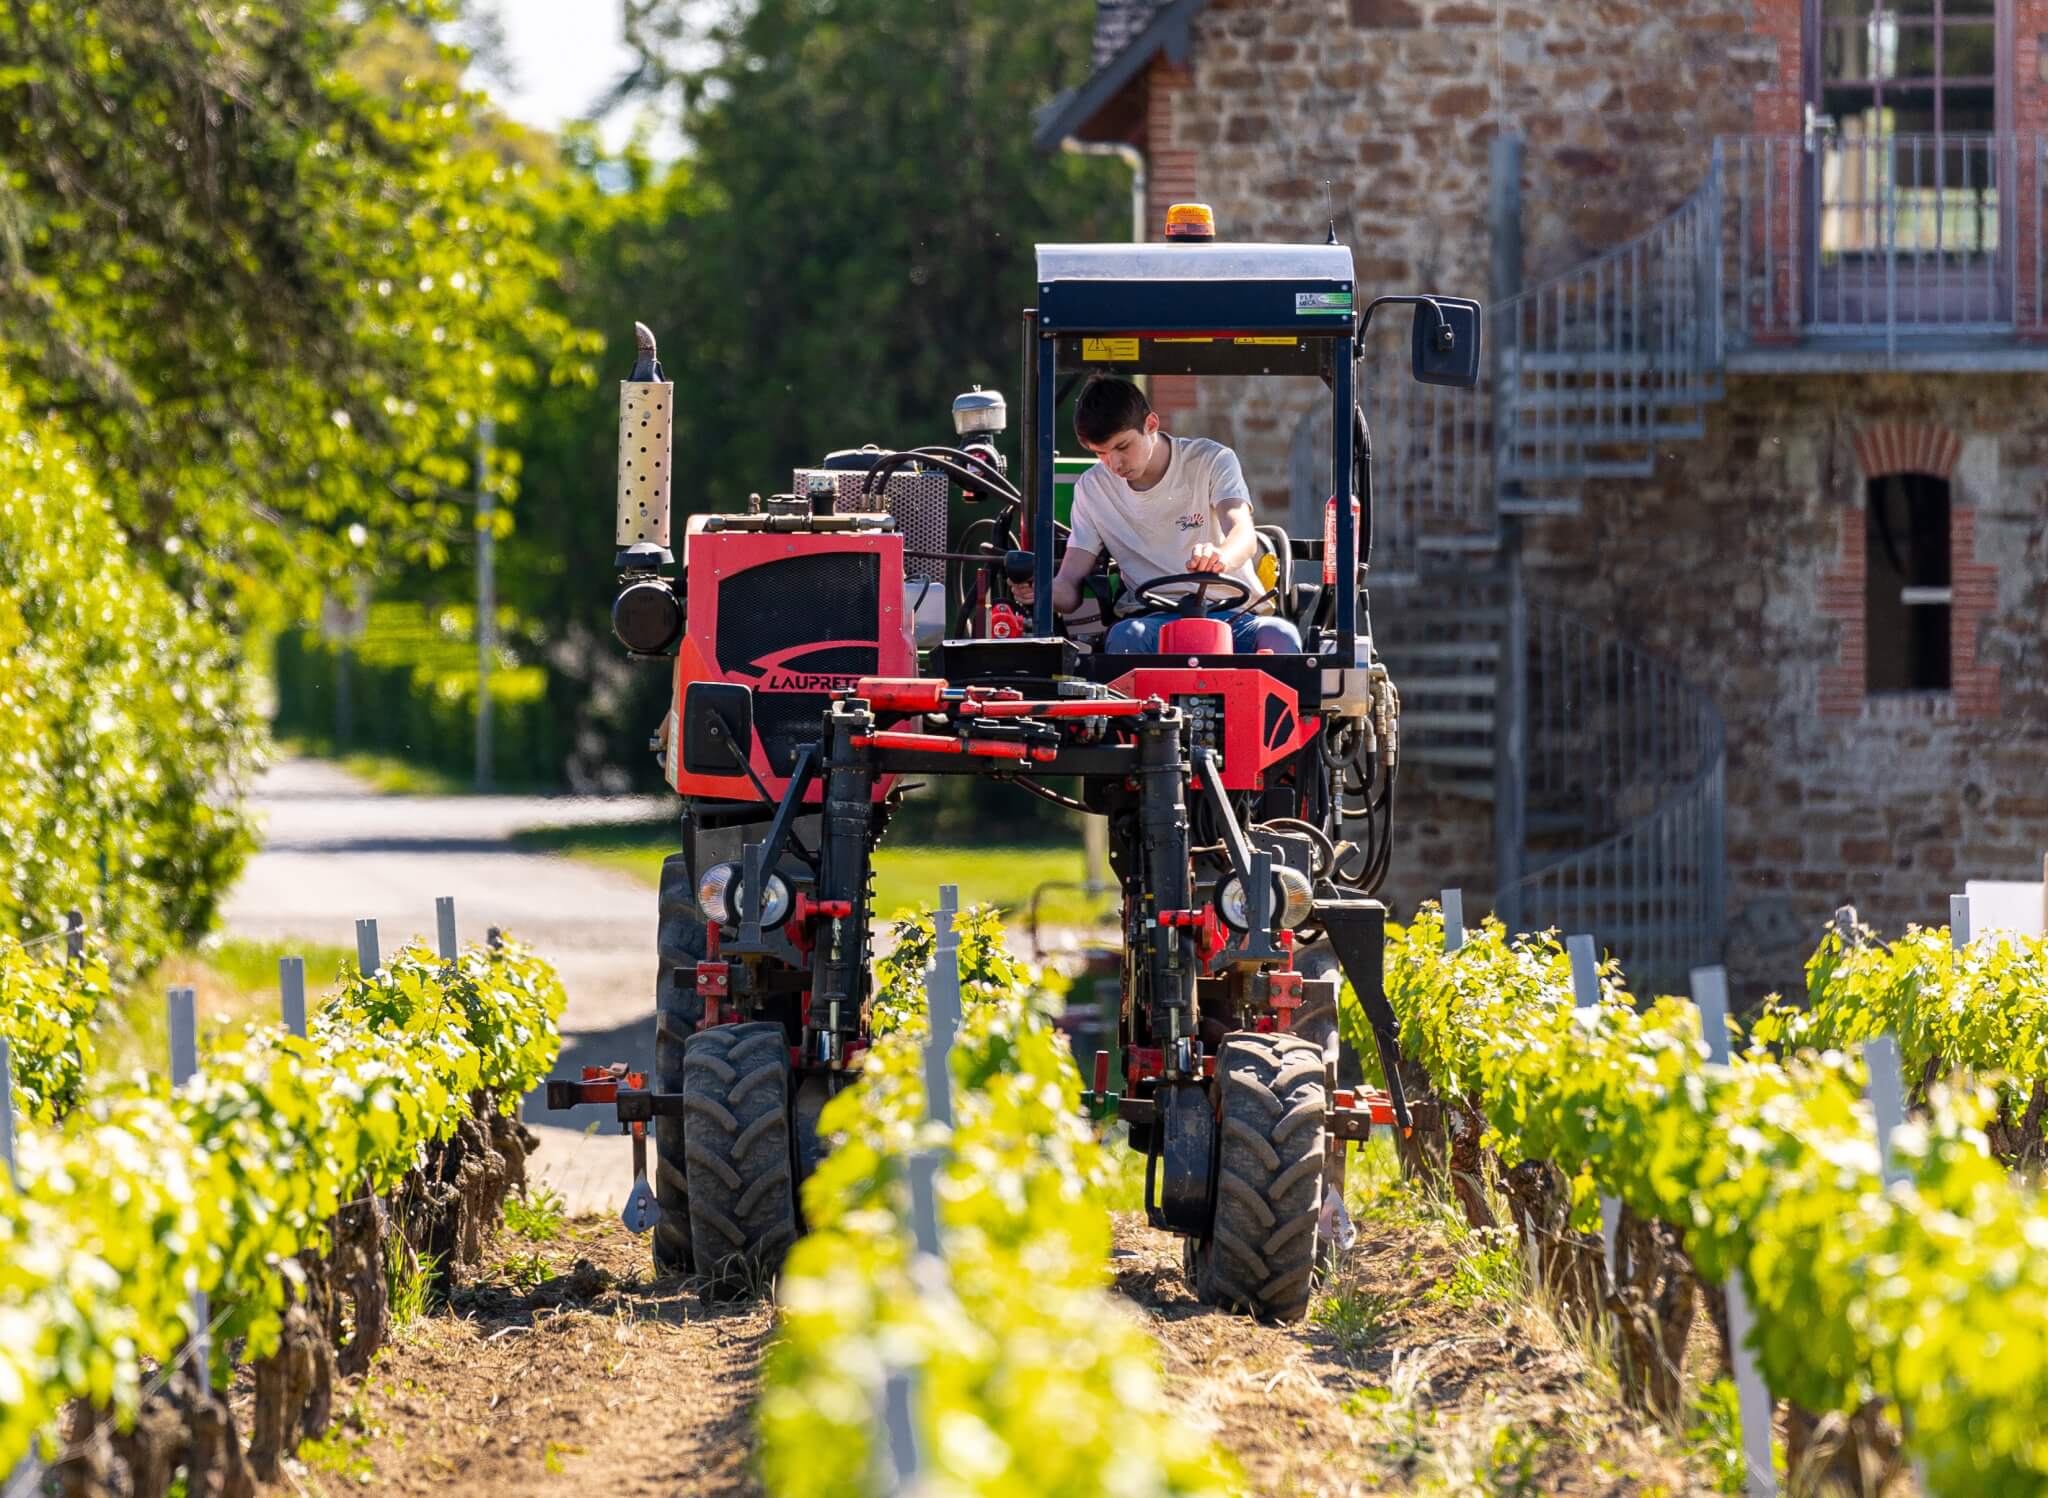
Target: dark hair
x=1107 y=407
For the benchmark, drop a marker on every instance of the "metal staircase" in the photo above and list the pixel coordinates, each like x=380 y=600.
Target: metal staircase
x=1604 y=766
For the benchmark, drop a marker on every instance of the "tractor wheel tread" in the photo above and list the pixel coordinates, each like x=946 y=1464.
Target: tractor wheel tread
x=754 y=1132
x=1257 y=1088
x=1246 y=1252
x=1301 y=1170
x=1269 y=1174
x=713 y=1110
x=715 y=1065
x=1300 y=1071
x=708 y=1159
x=750 y=1198
x=1286 y=1235
x=1254 y=1139
x=744 y=1087
x=772 y=1042
x=1306 y=1114
x=1243 y=1192
x=737 y=1097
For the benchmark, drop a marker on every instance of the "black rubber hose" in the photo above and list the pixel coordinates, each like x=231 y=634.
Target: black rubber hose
x=1047 y=793
x=960 y=473
x=1316 y=834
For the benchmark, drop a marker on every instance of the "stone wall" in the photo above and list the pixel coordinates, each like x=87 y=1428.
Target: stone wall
x=1380 y=113
x=1739 y=559
x=1729 y=563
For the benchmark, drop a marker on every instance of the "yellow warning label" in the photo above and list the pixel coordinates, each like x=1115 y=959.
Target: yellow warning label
x=1275 y=342
x=1110 y=349
x=1184 y=340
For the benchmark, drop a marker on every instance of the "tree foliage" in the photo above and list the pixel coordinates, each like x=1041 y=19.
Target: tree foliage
x=268 y=287
x=263 y=269
x=846 y=246
x=127 y=726
x=875 y=198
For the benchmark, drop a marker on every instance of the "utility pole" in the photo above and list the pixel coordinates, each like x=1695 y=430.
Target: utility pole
x=486 y=601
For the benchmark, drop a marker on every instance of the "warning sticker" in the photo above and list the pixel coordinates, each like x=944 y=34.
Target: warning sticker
x=1183 y=340
x=1322 y=304
x=1110 y=350
x=1265 y=342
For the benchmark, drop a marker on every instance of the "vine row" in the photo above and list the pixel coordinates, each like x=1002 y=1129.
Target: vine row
x=268 y=1195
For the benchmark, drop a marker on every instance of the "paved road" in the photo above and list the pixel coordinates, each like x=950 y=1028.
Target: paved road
x=335 y=850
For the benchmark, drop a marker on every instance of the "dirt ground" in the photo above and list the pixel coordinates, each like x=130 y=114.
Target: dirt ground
x=565 y=1364
x=1394 y=1386
x=564 y=1367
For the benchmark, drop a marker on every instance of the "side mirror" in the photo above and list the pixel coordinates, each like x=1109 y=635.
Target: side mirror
x=1445 y=346
x=718 y=727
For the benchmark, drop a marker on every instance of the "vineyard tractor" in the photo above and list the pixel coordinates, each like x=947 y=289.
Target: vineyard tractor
x=839 y=642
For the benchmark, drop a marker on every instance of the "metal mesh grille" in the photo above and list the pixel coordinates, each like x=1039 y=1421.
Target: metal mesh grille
x=767 y=613
x=764 y=610
x=917 y=500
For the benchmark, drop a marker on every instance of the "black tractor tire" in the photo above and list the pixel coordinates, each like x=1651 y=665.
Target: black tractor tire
x=1261 y=1253
x=1316 y=1020
x=736 y=1102
x=680 y=942
x=807 y=1146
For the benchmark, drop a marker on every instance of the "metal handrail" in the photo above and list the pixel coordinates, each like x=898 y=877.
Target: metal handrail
x=1883 y=236
x=1618 y=352
x=1633 y=757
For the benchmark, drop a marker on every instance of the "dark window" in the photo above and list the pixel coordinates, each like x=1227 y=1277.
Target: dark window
x=1906 y=592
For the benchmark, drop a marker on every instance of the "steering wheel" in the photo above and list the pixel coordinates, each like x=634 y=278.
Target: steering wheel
x=1190 y=605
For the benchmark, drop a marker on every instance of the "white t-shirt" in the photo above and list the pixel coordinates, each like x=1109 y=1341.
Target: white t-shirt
x=1151 y=531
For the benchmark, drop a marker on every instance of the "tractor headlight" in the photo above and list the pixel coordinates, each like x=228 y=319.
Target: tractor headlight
x=718 y=895
x=1293 y=898
x=1231 y=903
x=647 y=616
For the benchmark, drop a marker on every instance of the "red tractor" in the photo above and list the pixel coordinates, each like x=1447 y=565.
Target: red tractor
x=835 y=643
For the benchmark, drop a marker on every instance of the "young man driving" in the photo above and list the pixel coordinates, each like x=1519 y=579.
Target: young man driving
x=1161 y=505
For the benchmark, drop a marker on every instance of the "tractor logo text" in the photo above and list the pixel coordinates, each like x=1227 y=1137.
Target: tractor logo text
x=805 y=681
x=783 y=670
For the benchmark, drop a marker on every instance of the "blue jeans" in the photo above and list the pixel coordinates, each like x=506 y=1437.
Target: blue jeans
x=1139 y=635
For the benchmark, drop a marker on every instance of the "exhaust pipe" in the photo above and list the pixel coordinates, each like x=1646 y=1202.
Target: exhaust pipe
x=647 y=415
x=647 y=616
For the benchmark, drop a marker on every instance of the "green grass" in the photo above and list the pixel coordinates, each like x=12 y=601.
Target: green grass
x=233 y=979
x=535 y=1215
x=252 y=965
x=409 y=1286
x=389 y=775
x=1357 y=1319
x=905 y=877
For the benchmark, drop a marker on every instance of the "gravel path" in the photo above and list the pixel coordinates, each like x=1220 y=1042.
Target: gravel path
x=335 y=850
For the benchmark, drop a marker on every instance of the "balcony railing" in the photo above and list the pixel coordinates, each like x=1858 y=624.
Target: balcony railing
x=1884 y=237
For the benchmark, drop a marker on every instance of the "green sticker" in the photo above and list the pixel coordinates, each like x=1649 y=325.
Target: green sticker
x=1322 y=304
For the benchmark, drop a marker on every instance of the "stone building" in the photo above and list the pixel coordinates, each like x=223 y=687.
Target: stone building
x=1722 y=601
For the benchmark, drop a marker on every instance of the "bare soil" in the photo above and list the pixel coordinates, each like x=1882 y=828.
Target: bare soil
x=1412 y=1393
x=565 y=1365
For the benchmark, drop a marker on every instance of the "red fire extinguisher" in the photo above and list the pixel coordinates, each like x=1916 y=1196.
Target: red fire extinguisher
x=1330 y=538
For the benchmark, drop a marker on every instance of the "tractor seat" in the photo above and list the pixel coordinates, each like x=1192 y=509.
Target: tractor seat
x=1274 y=563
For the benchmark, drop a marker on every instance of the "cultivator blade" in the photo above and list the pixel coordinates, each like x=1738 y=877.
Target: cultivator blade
x=1358 y=934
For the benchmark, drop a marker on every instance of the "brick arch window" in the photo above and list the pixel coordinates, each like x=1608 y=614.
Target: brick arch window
x=1907 y=596
x=1905 y=586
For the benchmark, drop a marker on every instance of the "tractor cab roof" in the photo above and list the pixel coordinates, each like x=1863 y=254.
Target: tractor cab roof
x=1196 y=308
